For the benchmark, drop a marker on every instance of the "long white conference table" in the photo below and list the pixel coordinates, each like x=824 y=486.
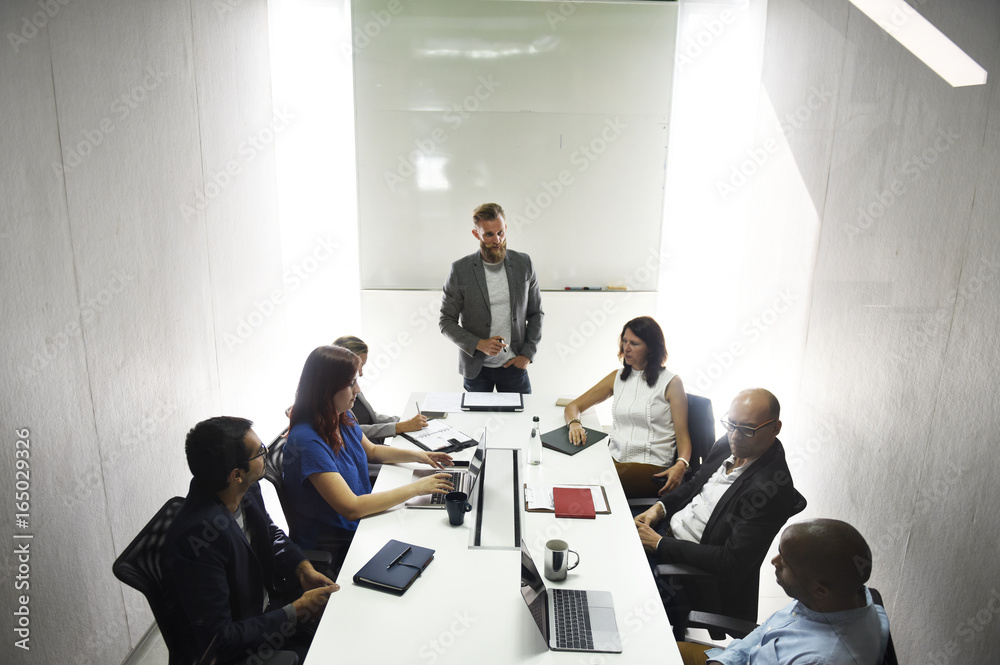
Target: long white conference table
x=467 y=607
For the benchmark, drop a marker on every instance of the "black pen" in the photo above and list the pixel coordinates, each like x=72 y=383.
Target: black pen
x=396 y=560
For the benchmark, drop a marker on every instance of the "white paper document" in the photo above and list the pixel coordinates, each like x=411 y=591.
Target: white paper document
x=447 y=402
x=437 y=435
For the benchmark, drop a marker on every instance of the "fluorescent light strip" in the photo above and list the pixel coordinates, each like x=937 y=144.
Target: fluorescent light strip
x=924 y=41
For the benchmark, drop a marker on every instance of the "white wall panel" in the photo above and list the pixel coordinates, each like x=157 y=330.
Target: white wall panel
x=122 y=269
x=557 y=111
x=408 y=353
x=415 y=227
x=46 y=388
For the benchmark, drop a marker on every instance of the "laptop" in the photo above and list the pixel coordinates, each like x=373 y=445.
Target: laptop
x=463 y=480
x=569 y=619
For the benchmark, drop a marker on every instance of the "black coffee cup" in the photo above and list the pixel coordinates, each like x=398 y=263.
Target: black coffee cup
x=457 y=504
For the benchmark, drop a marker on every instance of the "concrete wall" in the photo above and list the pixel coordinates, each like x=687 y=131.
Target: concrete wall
x=896 y=411
x=140 y=244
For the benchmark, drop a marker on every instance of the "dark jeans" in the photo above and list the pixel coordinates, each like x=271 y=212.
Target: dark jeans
x=504 y=379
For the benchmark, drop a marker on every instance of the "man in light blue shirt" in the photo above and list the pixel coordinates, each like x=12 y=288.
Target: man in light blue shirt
x=823 y=564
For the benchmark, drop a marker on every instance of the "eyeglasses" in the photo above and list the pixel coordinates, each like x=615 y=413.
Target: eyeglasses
x=263 y=451
x=748 y=432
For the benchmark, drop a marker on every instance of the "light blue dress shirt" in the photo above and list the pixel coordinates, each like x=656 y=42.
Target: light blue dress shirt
x=796 y=634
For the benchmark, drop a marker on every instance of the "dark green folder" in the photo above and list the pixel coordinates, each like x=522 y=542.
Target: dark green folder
x=558 y=439
x=395 y=567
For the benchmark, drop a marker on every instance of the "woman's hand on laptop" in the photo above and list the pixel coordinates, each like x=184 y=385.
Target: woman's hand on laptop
x=439 y=483
x=436 y=460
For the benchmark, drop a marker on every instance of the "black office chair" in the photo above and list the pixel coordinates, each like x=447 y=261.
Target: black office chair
x=140 y=567
x=701 y=428
x=273 y=465
x=717 y=624
x=706 y=591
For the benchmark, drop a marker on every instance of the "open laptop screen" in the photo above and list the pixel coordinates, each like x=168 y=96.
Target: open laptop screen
x=533 y=591
x=476 y=464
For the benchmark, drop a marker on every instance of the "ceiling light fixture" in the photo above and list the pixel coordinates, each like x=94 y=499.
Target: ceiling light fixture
x=923 y=40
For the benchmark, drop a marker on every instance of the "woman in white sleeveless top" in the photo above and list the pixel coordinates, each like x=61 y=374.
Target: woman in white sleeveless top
x=649 y=436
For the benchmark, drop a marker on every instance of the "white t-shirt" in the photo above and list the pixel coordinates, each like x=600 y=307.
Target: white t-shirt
x=689 y=522
x=496 y=284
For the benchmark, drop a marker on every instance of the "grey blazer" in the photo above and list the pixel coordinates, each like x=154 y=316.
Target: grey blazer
x=376 y=426
x=465 y=309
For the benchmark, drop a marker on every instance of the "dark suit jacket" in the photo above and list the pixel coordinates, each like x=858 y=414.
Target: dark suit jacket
x=465 y=309
x=740 y=530
x=216 y=580
x=376 y=427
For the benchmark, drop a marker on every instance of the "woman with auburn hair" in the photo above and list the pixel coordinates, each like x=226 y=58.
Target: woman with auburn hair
x=649 y=434
x=326 y=458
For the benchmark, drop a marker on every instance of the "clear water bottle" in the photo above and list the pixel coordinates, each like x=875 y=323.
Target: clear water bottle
x=535 y=443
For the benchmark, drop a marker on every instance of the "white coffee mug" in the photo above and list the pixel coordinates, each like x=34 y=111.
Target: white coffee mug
x=557 y=559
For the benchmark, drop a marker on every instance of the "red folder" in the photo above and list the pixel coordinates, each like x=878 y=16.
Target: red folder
x=573 y=502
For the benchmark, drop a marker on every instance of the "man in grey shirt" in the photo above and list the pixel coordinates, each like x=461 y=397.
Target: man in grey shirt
x=492 y=309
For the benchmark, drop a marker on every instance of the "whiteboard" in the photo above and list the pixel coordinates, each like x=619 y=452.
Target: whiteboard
x=557 y=111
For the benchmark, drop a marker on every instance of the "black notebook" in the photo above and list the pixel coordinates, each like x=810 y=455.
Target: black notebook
x=558 y=439
x=395 y=567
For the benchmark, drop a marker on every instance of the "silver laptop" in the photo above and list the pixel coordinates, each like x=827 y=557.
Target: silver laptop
x=569 y=619
x=464 y=480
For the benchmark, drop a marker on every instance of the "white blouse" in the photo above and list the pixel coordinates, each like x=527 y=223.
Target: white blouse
x=642 y=428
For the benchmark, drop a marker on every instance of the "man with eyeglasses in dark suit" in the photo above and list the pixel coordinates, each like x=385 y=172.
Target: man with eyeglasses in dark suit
x=230 y=572
x=724 y=519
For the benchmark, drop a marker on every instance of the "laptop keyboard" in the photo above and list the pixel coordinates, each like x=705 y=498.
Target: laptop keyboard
x=572 y=629
x=456 y=482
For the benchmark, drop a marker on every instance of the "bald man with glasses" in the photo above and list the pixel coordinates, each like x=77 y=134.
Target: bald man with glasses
x=724 y=519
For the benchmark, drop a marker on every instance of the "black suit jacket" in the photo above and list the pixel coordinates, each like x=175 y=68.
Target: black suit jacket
x=740 y=530
x=216 y=579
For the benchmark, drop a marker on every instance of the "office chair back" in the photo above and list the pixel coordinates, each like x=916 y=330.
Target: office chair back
x=140 y=566
x=707 y=593
x=273 y=464
x=719 y=626
x=889 y=658
x=701 y=428
x=273 y=472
